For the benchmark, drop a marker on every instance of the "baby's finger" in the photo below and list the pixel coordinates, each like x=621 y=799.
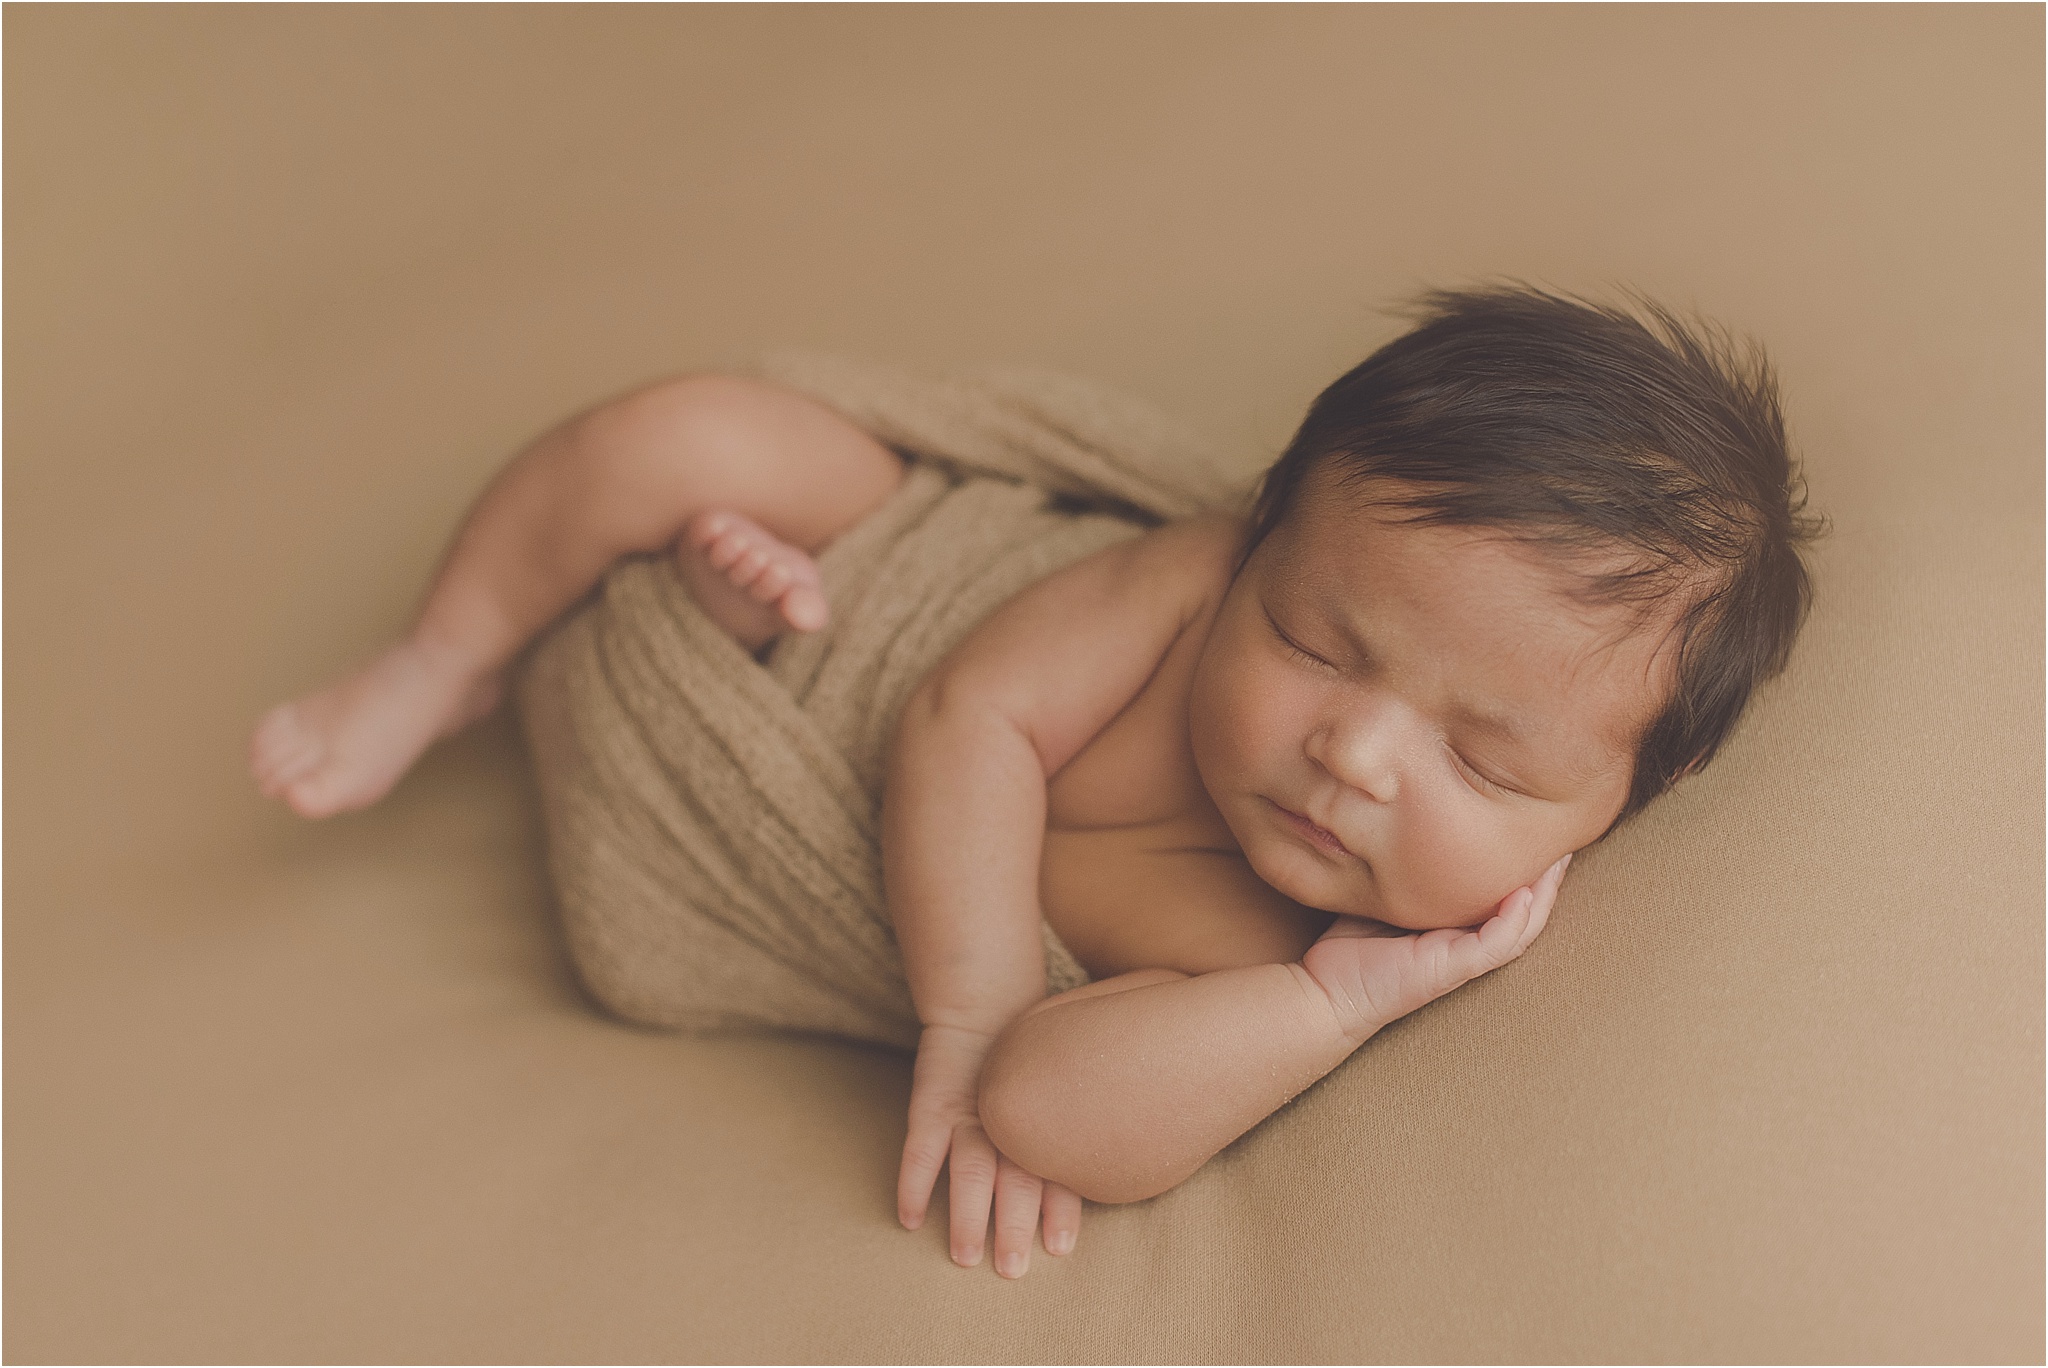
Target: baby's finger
x=1521 y=919
x=1062 y=1206
x=1501 y=935
x=1017 y=1197
x=972 y=1186
x=1545 y=899
x=924 y=1151
x=1464 y=955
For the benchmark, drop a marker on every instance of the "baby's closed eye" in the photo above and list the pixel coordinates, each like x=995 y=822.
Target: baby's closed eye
x=1293 y=647
x=1479 y=776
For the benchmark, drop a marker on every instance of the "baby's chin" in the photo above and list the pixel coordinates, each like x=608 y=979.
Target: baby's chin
x=1353 y=891
x=1299 y=876
x=1407 y=919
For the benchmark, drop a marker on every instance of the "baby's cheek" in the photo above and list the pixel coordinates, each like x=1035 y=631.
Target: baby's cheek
x=1260 y=718
x=1463 y=866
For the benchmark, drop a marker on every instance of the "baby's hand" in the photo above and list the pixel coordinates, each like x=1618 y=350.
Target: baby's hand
x=945 y=1128
x=1375 y=973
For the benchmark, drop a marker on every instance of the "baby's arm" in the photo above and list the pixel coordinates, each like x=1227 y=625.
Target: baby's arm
x=1122 y=1089
x=963 y=828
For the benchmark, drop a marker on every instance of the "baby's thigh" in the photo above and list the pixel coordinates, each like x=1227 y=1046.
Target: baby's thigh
x=792 y=464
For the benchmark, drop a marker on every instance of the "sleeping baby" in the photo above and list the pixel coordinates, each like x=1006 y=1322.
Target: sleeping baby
x=1274 y=779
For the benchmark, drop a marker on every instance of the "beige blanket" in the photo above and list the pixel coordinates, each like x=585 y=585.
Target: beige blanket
x=713 y=821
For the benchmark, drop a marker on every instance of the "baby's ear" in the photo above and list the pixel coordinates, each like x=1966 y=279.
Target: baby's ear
x=1691 y=767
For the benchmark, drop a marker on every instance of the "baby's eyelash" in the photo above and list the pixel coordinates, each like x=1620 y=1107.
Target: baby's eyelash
x=1476 y=773
x=1293 y=649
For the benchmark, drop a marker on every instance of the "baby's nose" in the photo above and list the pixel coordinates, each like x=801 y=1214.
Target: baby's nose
x=1362 y=756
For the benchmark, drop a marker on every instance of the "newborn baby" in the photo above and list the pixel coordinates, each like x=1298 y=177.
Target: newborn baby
x=1275 y=781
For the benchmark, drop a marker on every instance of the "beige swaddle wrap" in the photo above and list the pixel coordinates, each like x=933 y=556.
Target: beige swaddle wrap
x=713 y=822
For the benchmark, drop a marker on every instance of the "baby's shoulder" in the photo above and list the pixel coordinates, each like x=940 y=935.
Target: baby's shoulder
x=1196 y=555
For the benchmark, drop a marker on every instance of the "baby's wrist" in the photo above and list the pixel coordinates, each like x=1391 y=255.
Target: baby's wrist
x=987 y=1014
x=961 y=1029
x=1351 y=1014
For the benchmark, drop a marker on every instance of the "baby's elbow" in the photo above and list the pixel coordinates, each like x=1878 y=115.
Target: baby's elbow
x=1014 y=1113
x=1039 y=1126
x=1120 y=1178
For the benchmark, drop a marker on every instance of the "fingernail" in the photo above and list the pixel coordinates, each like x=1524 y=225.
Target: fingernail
x=1011 y=1265
x=1062 y=1242
x=967 y=1258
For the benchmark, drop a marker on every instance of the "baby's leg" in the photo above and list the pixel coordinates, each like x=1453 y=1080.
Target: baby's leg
x=629 y=476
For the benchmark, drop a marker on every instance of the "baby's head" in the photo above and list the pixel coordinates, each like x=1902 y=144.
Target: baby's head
x=1516 y=575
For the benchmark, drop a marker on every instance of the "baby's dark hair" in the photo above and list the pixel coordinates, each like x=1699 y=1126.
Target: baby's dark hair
x=1592 y=429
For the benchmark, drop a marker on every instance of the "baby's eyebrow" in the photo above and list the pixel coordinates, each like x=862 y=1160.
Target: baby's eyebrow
x=1491 y=721
x=1477 y=716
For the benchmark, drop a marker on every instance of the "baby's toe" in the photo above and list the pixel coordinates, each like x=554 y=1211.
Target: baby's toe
x=707 y=528
x=772 y=583
x=802 y=570
x=282 y=750
x=288 y=770
x=748 y=567
x=317 y=795
x=803 y=608
x=727 y=548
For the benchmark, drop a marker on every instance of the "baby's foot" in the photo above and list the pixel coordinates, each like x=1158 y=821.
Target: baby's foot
x=749 y=581
x=343 y=747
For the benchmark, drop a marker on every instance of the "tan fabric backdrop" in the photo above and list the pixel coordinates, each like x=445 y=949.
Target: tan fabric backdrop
x=285 y=284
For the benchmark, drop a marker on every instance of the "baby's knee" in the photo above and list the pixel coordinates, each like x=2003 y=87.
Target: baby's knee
x=700 y=412
x=789 y=462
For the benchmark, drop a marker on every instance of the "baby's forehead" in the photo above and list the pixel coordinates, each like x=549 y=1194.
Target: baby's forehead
x=1330 y=540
